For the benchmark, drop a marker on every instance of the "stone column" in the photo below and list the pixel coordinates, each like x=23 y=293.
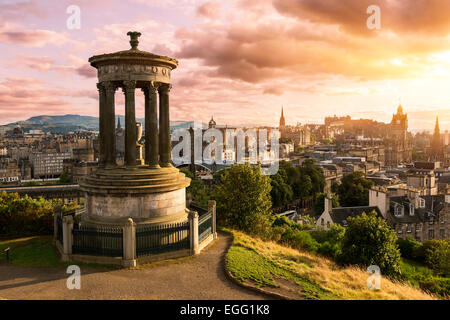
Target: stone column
x=151 y=125
x=129 y=244
x=212 y=208
x=164 y=125
x=109 y=125
x=130 y=123
x=102 y=109
x=193 y=232
x=67 y=237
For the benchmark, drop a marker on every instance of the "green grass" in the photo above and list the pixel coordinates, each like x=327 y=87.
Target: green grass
x=36 y=252
x=247 y=265
x=422 y=277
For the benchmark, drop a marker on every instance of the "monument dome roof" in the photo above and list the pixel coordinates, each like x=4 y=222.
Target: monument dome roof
x=133 y=56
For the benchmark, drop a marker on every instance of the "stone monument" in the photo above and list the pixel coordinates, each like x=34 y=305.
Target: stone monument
x=149 y=190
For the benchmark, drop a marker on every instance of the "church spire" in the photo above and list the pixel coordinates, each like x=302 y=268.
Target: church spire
x=436 y=143
x=436 y=127
x=282 y=120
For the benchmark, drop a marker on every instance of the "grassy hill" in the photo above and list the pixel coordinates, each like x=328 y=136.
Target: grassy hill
x=300 y=275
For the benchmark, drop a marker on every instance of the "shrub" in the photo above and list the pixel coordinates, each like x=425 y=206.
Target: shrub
x=368 y=240
x=330 y=240
x=299 y=240
x=25 y=216
x=437 y=256
x=409 y=247
x=328 y=249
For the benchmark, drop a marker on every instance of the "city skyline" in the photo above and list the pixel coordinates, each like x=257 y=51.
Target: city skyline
x=316 y=60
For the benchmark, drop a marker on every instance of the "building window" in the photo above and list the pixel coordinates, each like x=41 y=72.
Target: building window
x=441 y=219
x=421 y=203
x=418 y=227
x=399 y=228
x=431 y=234
x=398 y=210
x=442 y=233
x=411 y=209
x=408 y=228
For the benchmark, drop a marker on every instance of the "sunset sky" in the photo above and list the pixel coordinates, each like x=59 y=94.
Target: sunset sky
x=239 y=60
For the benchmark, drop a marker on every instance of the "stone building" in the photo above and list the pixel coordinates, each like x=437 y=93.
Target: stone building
x=48 y=164
x=422 y=218
x=411 y=215
x=9 y=170
x=340 y=215
x=422 y=177
x=300 y=135
x=398 y=144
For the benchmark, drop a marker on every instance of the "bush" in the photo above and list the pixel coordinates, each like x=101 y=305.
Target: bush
x=20 y=216
x=299 y=240
x=330 y=241
x=409 y=247
x=423 y=277
x=437 y=256
x=368 y=240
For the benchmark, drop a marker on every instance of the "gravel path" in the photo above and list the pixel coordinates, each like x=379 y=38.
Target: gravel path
x=200 y=277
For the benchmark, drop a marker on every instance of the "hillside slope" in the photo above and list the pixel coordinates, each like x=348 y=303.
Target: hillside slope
x=300 y=275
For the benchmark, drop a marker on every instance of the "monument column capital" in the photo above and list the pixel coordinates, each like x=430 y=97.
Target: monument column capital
x=150 y=87
x=128 y=85
x=100 y=87
x=164 y=88
x=109 y=86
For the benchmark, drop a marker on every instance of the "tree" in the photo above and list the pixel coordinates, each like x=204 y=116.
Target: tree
x=437 y=256
x=319 y=203
x=354 y=190
x=64 y=178
x=243 y=199
x=187 y=173
x=196 y=189
x=368 y=240
x=315 y=174
x=198 y=192
x=281 y=192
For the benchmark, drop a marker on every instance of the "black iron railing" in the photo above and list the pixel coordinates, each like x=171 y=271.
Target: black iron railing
x=204 y=226
x=59 y=231
x=162 y=238
x=102 y=241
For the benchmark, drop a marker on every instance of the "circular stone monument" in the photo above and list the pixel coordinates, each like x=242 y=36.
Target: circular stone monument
x=149 y=190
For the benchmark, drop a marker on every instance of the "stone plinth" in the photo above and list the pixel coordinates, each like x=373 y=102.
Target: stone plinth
x=146 y=195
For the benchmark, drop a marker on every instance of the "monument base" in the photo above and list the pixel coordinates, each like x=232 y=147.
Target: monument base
x=147 y=195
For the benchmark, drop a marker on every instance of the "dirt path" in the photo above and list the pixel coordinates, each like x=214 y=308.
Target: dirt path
x=200 y=277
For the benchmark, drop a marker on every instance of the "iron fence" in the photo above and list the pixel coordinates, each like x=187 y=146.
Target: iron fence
x=162 y=238
x=102 y=241
x=204 y=226
x=59 y=231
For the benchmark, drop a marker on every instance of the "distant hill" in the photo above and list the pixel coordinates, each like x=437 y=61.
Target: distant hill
x=74 y=122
